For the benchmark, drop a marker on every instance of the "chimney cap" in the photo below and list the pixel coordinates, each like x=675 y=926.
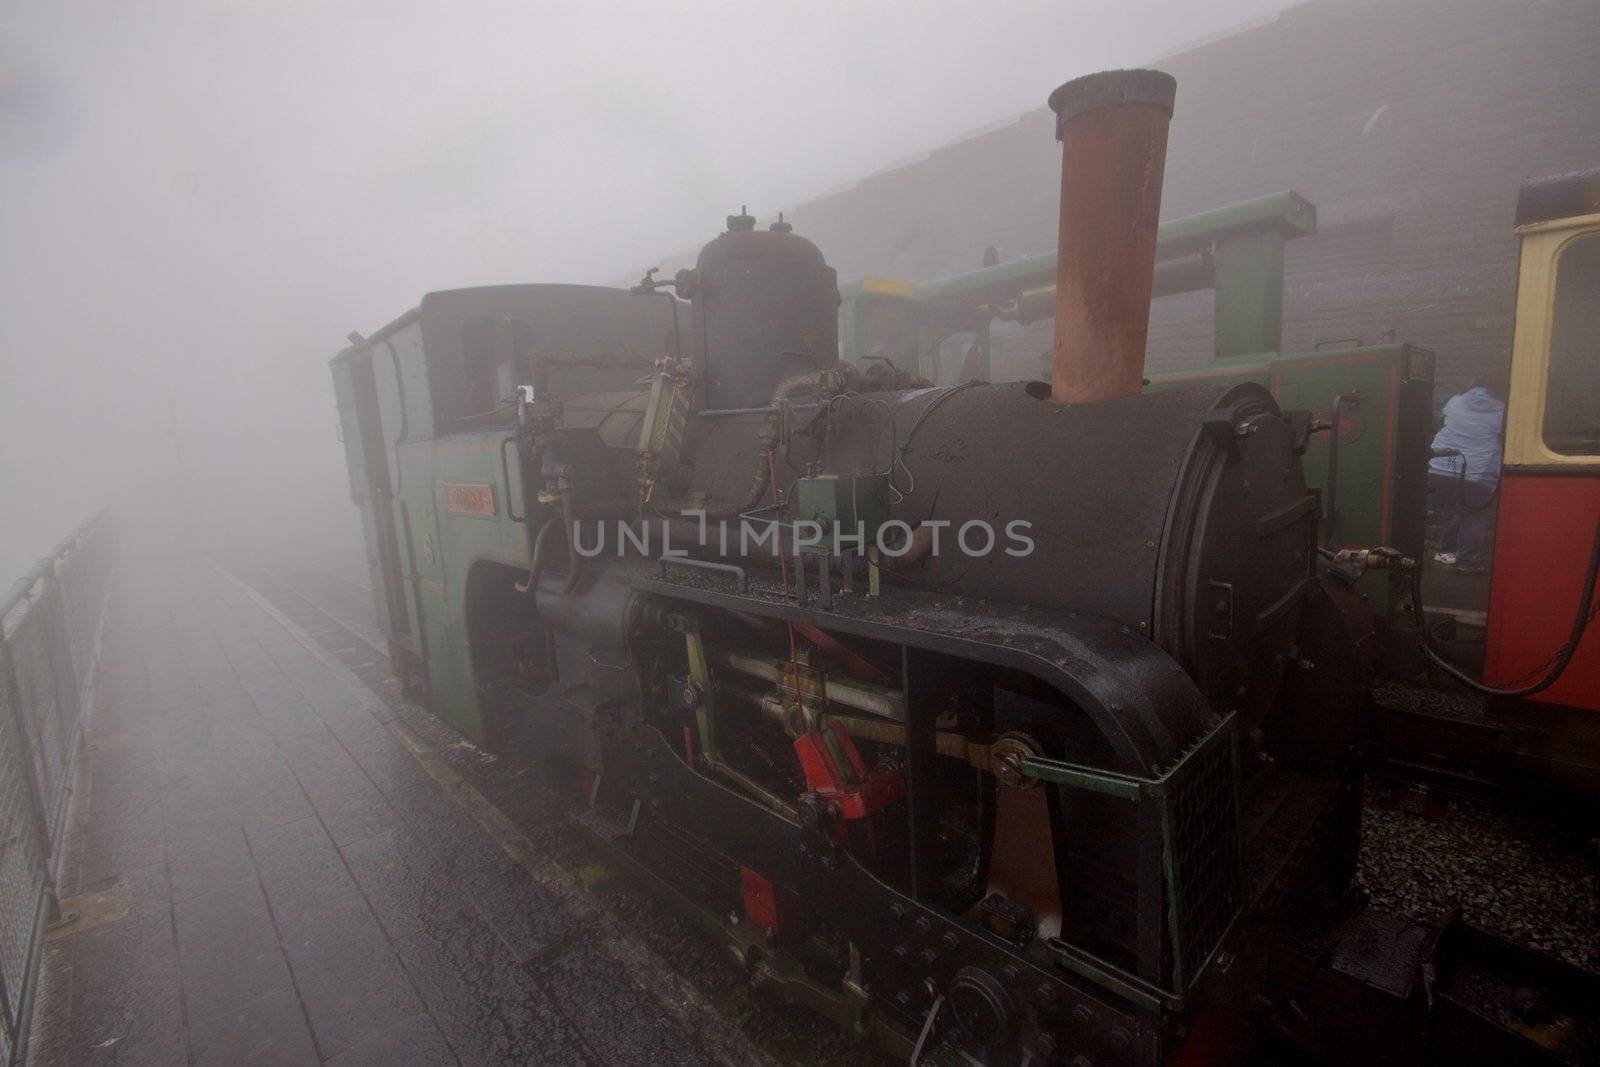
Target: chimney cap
x=1112 y=88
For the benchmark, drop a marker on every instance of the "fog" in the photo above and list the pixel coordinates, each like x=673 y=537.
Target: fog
x=201 y=199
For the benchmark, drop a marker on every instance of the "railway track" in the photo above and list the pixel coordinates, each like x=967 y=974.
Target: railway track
x=1540 y=756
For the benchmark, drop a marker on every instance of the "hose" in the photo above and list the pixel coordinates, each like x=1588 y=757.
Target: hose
x=536 y=558
x=1461 y=491
x=794 y=383
x=1462 y=479
x=1553 y=667
x=752 y=497
x=536 y=561
x=763 y=472
x=569 y=524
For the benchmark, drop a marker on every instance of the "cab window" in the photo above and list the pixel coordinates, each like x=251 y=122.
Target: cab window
x=1572 y=393
x=475 y=377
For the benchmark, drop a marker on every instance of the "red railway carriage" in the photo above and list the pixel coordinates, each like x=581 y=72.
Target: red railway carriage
x=1549 y=510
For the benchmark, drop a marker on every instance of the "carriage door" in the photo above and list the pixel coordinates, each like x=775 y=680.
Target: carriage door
x=383 y=544
x=1550 y=485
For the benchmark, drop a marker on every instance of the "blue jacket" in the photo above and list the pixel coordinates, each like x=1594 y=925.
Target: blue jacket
x=1473 y=422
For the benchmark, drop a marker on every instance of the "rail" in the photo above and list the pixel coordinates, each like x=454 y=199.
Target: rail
x=49 y=643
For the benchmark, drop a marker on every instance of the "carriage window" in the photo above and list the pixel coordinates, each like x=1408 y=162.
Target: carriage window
x=1572 y=395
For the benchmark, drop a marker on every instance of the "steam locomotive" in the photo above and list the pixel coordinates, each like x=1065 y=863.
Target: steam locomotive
x=1006 y=722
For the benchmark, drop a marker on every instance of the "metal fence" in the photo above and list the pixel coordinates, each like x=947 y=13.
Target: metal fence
x=49 y=622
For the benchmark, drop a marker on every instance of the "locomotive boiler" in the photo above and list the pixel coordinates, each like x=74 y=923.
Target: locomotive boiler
x=1012 y=721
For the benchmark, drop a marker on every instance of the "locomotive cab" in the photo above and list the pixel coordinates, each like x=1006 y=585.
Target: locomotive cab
x=429 y=423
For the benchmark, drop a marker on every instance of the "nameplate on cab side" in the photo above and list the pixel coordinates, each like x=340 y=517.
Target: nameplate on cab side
x=469 y=500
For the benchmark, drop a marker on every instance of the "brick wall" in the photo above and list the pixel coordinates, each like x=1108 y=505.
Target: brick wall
x=1409 y=123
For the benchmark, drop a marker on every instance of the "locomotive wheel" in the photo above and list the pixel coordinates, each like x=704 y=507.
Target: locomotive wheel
x=982 y=1007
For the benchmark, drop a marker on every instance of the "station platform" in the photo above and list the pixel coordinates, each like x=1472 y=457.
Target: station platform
x=272 y=858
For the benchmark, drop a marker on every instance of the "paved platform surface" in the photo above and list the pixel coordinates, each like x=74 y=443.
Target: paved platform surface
x=275 y=860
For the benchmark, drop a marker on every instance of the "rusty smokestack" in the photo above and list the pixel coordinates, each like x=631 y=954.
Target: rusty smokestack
x=1113 y=132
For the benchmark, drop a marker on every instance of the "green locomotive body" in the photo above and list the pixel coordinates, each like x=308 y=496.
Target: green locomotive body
x=429 y=444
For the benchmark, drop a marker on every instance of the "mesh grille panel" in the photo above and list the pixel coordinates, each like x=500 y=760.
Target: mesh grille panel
x=45 y=656
x=1203 y=831
x=22 y=855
